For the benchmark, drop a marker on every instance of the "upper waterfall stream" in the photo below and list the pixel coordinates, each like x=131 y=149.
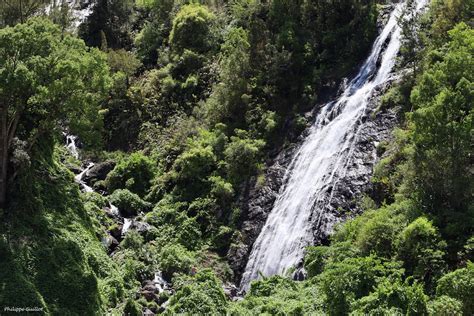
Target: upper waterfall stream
x=320 y=161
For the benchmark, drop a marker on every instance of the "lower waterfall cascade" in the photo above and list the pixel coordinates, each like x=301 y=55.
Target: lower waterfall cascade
x=320 y=161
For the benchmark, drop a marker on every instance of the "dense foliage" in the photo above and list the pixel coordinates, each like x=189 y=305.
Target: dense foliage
x=180 y=104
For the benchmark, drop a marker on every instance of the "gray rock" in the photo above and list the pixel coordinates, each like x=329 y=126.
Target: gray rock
x=99 y=172
x=116 y=231
x=110 y=243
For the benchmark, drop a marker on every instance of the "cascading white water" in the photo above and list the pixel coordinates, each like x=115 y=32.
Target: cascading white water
x=79 y=9
x=319 y=162
x=81 y=182
x=71 y=145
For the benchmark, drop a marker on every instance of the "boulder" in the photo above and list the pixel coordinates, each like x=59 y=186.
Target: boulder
x=149 y=295
x=141 y=227
x=110 y=243
x=230 y=290
x=116 y=231
x=74 y=168
x=99 y=172
x=148 y=312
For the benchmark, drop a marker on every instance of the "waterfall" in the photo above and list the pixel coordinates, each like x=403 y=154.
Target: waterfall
x=82 y=183
x=71 y=145
x=79 y=10
x=319 y=162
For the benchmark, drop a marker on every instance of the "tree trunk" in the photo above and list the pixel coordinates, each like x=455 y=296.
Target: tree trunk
x=3 y=155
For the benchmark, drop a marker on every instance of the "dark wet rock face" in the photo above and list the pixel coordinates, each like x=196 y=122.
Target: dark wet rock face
x=99 y=172
x=341 y=200
x=256 y=203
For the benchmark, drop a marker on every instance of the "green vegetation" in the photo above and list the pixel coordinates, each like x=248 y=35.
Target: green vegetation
x=189 y=99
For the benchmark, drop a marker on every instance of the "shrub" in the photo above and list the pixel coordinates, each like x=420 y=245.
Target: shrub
x=95 y=198
x=314 y=260
x=205 y=211
x=346 y=281
x=190 y=172
x=421 y=249
x=222 y=239
x=459 y=285
x=242 y=156
x=377 y=234
x=191 y=29
x=133 y=240
x=280 y=296
x=201 y=295
x=445 y=305
x=133 y=173
x=393 y=294
x=189 y=234
x=128 y=203
x=175 y=258
x=132 y=308
x=221 y=190
x=133 y=270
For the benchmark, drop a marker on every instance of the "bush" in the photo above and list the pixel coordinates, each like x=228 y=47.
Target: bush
x=221 y=190
x=377 y=234
x=459 y=285
x=132 y=308
x=242 y=156
x=191 y=29
x=16 y=289
x=190 y=172
x=128 y=203
x=95 y=198
x=392 y=98
x=188 y=233
x=421 y=249
x=222 y=239
x=393 y=295
x=199 y=295
x=349 y=280
x=132 y=270
x=173 y=259
x=133 y=173
x=445 y=305
x=280 y=296
x=205 y=211
x=314 y=260
x=133 y=240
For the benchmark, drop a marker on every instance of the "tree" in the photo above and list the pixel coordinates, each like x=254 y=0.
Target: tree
x=109 y=20
x=242 y=156
x=410 y=23
x=459 y=285
x=441 y=133
x=155 y=32
x=228 y=102
x=351 y=279
x=421 y=250
x=46 y=79
x=134 y=173
x=18 y=11
x=191 y=29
